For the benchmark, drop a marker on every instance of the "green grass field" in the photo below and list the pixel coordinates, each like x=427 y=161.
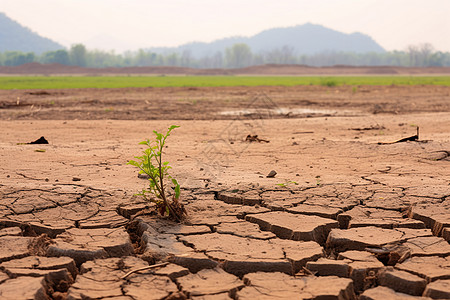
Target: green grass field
x=68 y=82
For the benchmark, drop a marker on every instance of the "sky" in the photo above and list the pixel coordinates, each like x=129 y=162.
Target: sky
x=132 y=24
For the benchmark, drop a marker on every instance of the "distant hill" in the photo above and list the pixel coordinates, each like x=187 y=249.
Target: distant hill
x=302 y=39
x=15 y=37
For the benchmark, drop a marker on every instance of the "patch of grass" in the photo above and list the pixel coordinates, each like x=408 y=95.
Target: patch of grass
x=329 y=82
x=69 y=82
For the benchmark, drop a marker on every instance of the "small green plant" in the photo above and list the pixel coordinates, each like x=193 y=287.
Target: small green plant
x=328 y=82
x=152 y=164
x=287 y=183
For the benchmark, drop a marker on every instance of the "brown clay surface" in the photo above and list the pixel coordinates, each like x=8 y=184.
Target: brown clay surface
x=221 y=103
x=349 y=216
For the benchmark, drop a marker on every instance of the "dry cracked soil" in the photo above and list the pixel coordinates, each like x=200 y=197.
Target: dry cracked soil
x=348 y=215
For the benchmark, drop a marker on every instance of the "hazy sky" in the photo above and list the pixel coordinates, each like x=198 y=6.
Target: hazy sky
x=133 y=24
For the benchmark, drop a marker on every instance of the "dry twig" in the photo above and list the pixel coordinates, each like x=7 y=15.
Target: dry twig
x=145 y=268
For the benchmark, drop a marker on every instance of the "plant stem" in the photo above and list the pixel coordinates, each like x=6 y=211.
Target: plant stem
x=161 y=180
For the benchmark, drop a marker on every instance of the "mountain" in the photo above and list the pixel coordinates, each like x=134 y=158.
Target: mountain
x=15 y=37
x=302 y=39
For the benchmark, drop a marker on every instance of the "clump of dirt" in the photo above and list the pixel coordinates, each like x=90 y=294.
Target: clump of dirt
x=39 y=245
x=176 y=209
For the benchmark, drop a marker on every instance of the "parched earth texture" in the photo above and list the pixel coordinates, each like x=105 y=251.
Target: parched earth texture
x=348 y=215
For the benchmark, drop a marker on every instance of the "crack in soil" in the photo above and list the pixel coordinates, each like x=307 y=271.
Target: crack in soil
x=89 y=196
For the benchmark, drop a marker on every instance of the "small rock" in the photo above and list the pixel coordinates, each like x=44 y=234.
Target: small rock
x=76 y=179
x=41 y=140
x=271 y=174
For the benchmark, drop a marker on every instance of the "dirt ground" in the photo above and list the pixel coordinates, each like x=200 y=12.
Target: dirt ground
x=269 y=69
x=348 y=209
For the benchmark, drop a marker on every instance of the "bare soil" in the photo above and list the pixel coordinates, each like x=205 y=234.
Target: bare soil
x=342 y=211
x=270 y=69
x=220 y=103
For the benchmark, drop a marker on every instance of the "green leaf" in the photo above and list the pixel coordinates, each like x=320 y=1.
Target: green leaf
x=177 y=191
x=133 y=163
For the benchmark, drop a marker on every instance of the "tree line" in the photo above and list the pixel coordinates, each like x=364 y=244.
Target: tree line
x=237 y=56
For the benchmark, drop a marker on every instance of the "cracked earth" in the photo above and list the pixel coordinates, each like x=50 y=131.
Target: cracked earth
x=343 y=218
